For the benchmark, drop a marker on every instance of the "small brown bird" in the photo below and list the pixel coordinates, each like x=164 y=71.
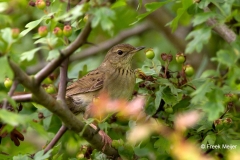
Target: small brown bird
x=114 y=76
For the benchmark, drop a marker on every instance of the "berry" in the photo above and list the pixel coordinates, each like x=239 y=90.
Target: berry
x=58 y=32
x=180 y=58
x=40 y=4
x=150 y=54
x=218 y=124
x=227 y=122
x=164 y=56
x=189 y=70
x=169 y=110
x=42 y=31
x=8 y=83
x=50 y=89
x=15 y=33
x=67 y=30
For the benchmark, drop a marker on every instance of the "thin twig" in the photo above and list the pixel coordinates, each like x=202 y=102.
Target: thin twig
x=109 y=43
x=53 y=142
x=22 y=98
x=10 y=93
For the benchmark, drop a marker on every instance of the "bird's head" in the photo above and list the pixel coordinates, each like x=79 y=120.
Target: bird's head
x=121 y=55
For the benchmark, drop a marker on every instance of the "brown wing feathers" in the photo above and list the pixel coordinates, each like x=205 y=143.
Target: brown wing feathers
x=91 y=82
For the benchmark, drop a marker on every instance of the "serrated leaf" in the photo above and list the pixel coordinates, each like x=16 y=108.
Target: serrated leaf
x=185 y=5
x=199 y=38
x=13 y=119
x=41 y=156
x=162 y=144
x=150 y=7
x=202 y=17
x=29 y=55
x=210 y=139
x=21 y=157
x=119 y=3
x=5 y=70
x=168 y=96
x=53 y=54
x=199 y=94
x=226 y=57
x=214 y=105
x=7 y=35
x=30 y=26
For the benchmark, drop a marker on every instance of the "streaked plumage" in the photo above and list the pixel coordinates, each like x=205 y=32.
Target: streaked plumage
x=114 y=76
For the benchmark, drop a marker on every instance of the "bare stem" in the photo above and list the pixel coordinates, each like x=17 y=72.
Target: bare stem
x=53 y=142
x=111 y=42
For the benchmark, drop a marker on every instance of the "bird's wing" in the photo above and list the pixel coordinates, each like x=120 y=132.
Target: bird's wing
x=91 y=82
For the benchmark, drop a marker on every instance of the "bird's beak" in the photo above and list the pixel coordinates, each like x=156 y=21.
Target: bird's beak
x=137 y=49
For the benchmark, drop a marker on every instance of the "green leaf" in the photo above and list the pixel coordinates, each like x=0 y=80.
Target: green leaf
x=104 y=16
x=168 y=96
x=226 y=57
x=7 y=35
x=214 y=105
x=30 y=26
x=162 y=144
x=13 y=119
x=53 y=54
x=21 y=157
x=185 y=5
x=199 y=38
x=203 y=17
x=73 y=14
x=41 y=156
x=150 y=7
x=199 y=94
x=5 y=70
x=119 y=3
x=209 y=139
x=29 y=55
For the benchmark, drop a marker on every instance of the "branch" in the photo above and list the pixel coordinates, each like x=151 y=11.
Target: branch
x=68 y=118
x=109 y=43
x=227 y=34
x=80 y=40
x=10 y=93
x=22 y=98
x=59 y=134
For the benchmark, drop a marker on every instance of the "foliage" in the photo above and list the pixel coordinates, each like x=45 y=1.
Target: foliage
x=191 y=113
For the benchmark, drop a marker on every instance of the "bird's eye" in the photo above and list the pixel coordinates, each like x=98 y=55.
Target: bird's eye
x=119 y=52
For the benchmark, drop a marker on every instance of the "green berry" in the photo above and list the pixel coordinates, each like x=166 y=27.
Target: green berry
x=67 y=30
x=189 y=70
x=15 y=33
x=180 y=58
x=42 y=31
x=40 y=4
x=57 y=32
x=169 y=110
x=227 y=122
x=150 y=54
x=50 y=89
x=8 y=83
x=218 y=124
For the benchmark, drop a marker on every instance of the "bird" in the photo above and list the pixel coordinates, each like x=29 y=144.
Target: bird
x=115 y=76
